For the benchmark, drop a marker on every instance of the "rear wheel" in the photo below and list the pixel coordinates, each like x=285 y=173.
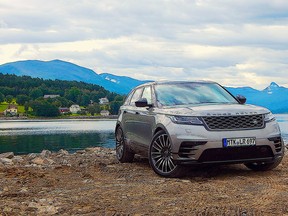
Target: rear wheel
x=123 y=153
x=160 y=156
x=263 y=166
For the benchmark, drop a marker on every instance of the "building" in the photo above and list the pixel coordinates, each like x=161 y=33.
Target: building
x=11 y=110
x=104 y=113
x=75 y=108
x=103 y=101
x=64 y=110
x=50 y=96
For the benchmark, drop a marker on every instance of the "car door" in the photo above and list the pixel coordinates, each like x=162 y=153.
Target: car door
x=130 y=118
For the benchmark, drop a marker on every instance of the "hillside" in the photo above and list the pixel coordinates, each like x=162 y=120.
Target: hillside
x=62 y=70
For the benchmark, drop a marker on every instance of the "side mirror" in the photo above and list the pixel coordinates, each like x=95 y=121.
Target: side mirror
x=241 y=99
x=142 y=103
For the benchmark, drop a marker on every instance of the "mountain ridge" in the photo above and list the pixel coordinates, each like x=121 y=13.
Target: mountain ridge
x=274 y=97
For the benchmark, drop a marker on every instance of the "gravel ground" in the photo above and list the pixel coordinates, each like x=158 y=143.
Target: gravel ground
x=92 y=182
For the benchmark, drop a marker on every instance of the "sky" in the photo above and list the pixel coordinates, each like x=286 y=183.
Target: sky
x=233 y=42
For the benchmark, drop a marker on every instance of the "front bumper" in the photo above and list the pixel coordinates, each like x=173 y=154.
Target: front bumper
x=196 y=145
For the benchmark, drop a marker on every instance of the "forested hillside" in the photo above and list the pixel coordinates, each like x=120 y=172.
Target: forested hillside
x=30 y=92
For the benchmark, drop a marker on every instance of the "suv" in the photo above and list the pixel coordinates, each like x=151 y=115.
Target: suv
x=185 y=123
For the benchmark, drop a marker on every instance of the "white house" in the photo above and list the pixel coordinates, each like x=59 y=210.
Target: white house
x=50 y=96
x=103 y=101
x=75 y=108
x=12 y=110
x=104 y=113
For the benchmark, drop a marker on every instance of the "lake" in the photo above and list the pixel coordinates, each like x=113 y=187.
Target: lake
x=25 y=136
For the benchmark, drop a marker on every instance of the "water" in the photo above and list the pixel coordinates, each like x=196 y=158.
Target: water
x=27 y=136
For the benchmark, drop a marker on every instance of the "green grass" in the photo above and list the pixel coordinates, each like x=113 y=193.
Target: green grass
x=3 y=106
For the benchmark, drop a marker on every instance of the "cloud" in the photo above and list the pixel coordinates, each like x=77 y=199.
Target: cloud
x=233 y=42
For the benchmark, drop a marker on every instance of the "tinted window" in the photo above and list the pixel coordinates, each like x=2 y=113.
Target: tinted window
x=191 y=93
x=147 y=94
x=136 y=96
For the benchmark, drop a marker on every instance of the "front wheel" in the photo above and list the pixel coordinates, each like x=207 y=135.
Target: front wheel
x=263 y=166
x=123 y=153
x=160 y=156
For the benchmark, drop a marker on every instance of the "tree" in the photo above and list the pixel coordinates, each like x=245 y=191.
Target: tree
x=2 y=97
x=9 y=98
x=22 y=99
x=44 y=108
x=36 y=93
x=73 y=94
x=114 y=107
x=94 y=109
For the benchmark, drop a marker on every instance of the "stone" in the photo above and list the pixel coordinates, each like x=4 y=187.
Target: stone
x=45 y=153
x=38 y=161
x=17 y=159
x=32 y=155
x=8 y=155
x=6 y=161
x=63 y=152
x=41 y=161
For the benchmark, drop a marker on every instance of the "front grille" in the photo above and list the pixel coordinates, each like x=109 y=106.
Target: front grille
x=236 y=153
x=243 y=122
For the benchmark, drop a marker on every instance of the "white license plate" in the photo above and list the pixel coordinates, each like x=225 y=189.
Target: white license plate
x=231 y=142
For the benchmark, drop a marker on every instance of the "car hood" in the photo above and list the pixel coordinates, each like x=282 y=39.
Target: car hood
x=216 y=110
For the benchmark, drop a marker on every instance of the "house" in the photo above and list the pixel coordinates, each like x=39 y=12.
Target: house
x=50 y=96
x=104 y=113
x=103 y=101
x=64 y=110
x=75 y=108
x=11 y=110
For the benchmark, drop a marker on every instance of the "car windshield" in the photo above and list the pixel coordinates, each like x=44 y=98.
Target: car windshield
x=191 y=93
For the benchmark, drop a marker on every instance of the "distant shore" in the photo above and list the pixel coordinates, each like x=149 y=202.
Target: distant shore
x=58 y=118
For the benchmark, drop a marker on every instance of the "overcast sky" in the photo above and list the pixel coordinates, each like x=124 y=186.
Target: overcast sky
x=233 y=42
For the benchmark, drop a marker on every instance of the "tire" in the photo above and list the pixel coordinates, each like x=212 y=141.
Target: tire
x=160 y=156
x=123 y=153
x=262 y=166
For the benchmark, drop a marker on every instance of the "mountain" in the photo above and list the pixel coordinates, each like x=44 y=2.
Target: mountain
x=61 y=70
x=126 y=83
x=274 y=97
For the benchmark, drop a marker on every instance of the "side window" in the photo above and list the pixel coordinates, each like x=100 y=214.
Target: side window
x=147 y=94
x=128 y=98
x=136 y=96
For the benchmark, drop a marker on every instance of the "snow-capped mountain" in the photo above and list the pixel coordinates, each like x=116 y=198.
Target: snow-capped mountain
x=274 y=97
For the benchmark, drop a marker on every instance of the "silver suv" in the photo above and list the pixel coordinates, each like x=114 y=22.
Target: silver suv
x=184 y=123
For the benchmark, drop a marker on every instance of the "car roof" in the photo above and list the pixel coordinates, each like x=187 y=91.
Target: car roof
x=173 y=82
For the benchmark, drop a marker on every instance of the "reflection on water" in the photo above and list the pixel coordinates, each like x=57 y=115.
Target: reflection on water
x=24 y=137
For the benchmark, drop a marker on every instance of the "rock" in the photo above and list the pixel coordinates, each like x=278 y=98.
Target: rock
x=45 y=153
x=32 y=155
x=17 y=159
x=80 y=152
x=8 y=155
x=41 y=161
x=63 y=152
x=6 y=161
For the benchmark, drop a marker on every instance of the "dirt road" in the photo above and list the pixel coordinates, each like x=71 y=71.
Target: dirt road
x=92 y=182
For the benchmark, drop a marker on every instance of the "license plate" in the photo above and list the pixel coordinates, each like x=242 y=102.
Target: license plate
x=231 y=142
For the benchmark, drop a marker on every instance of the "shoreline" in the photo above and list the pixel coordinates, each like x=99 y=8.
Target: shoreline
x=93 y=182
x=110 y=117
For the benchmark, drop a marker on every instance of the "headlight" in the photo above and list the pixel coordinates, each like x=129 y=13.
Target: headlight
x=190 y=120
x=269 y=117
